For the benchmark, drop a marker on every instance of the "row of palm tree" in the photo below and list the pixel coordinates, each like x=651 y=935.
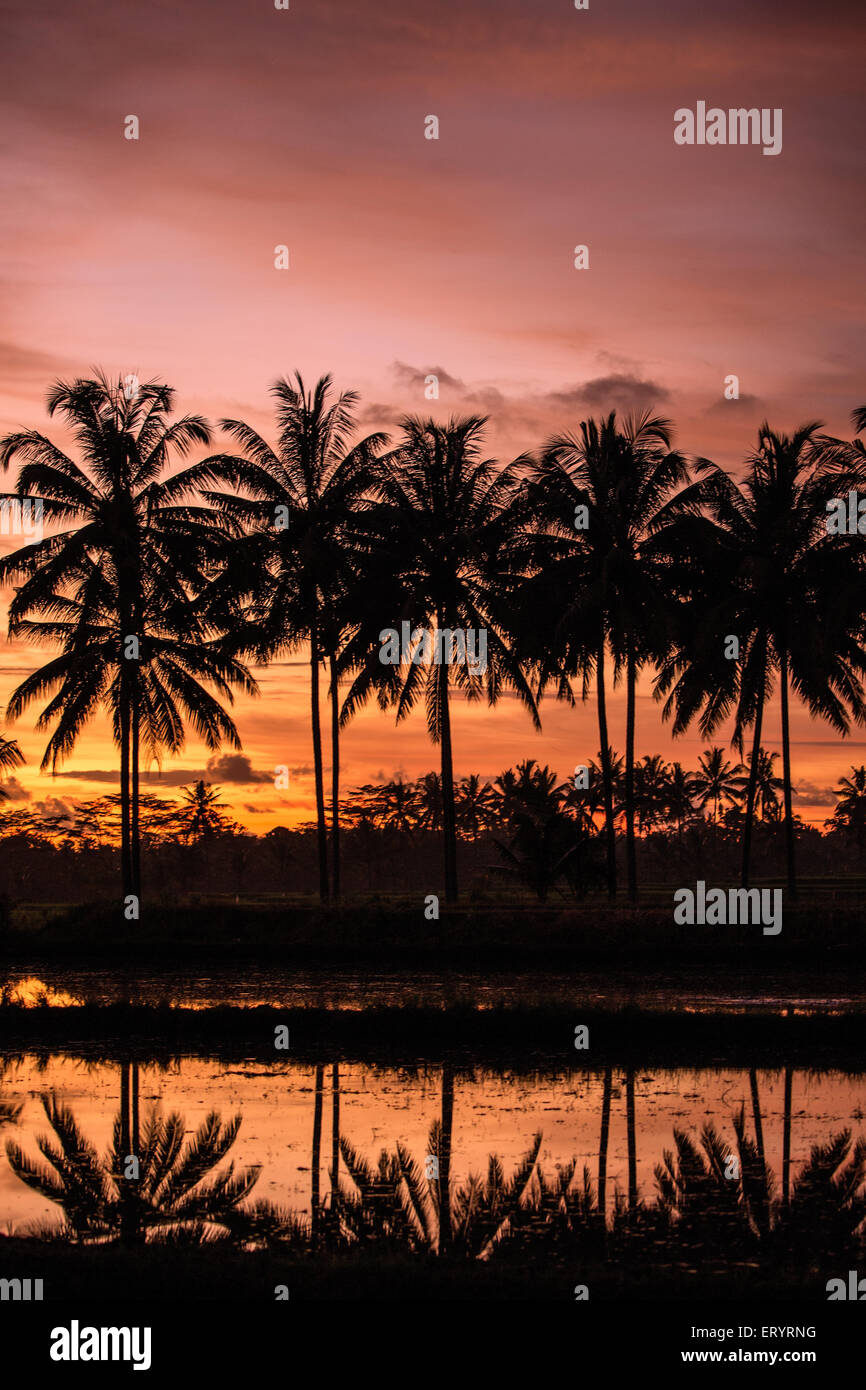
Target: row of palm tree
x=606 y=552
x=665 y=794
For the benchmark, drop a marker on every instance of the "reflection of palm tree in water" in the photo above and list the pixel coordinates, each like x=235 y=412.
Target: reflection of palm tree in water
x=130 y=1146
x=394 y=1206
x=631 y=1141
x=100 y=1197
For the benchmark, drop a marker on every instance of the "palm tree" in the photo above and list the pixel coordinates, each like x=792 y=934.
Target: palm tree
x=475 y=805
x=296 y=571
x=170 y=1193
x=428 y=797
x=767 y=784
x=525 y=790
x=651 y=791
x=850 y=812
x=120 y=591
x=203 y=814
x=791 y=594
x=680 y=791
x=619 y=569
x=603 y=1143
x=446 y=514
x=397 y=805
x=316 y=1160
x=10 y=757
x=716 y=781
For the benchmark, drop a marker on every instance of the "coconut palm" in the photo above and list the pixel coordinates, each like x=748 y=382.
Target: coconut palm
x=119 y=590
x=398 y=806
x=651 y=791
x=296 y=572
x=767 y=784
x=10 y=757
x=475 y=803
x=202 y=815
x=787 y=593
x=680 y=792
x=850 y=812
x=716 y=781
x=446 y=514
x=620 y=568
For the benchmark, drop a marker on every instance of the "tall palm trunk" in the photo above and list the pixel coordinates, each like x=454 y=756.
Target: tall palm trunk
x=606 y=771
x=316 y=1161
x=632 y=1143
x=317 y=763
x=445 y=1159
x=449 y=812
x=759 y=1145
x=751 y=793
x=129 y=1146
x=125 y=741
x=786 y=1139
x=786 y=777
x=602 y=1144
x=335 y=1142
x=134 y=827
x=631 y=851
x=335 y=777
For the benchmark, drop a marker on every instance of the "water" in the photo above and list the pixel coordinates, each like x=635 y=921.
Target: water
x=493 y=1111
x=360 y=989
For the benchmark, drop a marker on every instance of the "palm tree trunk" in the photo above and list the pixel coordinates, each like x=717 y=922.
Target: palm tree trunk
x=750 y=794
x=318 y=766
x=606 y=772
x=335 y=1142
x=125 y=740
x=315 y=1193
x=632 y=1143
x=127 y=1224
x=759 y=1144
x=134 y=830
x=449 y=812
x=335 y=777
x=786 y=1139
x=631 y=852
x=756 y=1112
x=786 y=776
x=445 y=1159
x=602 y=1144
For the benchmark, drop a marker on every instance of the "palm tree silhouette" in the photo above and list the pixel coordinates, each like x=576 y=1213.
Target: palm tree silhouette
x=301 y=502
x=10 y=757
x=120 y=591
x=850 y=812
x=203 y=814
x=619 y=569
x=716 y=781
x=788 y=591
x=445 y=519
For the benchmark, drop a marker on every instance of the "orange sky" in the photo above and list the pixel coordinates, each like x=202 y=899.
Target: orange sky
x=409 y=256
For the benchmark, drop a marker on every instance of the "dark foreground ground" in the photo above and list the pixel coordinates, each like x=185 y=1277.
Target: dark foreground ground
x=161 y=1273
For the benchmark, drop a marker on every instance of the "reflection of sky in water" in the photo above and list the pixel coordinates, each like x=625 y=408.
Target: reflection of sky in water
x=356 y=990
x=492 y=1113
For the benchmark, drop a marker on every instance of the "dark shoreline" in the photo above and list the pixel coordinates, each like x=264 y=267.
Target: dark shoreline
x=515 y=1038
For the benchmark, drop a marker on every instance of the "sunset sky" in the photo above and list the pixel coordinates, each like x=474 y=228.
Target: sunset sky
x=409 y=256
